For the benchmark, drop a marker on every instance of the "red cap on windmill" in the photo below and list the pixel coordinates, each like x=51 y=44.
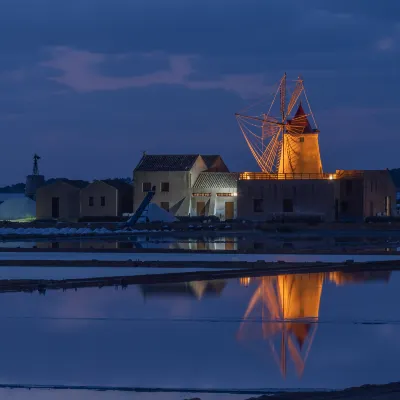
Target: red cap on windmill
x=300 y=120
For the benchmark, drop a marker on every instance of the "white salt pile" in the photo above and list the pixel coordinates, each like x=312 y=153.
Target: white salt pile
x=156 y=214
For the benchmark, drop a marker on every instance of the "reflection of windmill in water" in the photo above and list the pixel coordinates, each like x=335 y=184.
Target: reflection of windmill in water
x=287 y=144
x=289 y=308
x=290 y=311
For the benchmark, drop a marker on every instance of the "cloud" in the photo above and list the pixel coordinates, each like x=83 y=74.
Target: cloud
x=385 y=44
x=80 y=70
x=391 y=41
x=111 y=64
x=205 y=27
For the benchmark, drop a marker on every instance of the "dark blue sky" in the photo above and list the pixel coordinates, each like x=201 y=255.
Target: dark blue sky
x=90 y=84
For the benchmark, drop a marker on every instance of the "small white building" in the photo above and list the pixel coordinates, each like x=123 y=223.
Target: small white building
x=215 y=193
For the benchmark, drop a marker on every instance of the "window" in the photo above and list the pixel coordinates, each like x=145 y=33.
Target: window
x=91 y=201
x=146 y=186
x=349 y=187
x=165 y=186
x=258 y=205
x=294 y=191
x=165 y=205
x=103 y=201
x=344 y=206
x=301 y=139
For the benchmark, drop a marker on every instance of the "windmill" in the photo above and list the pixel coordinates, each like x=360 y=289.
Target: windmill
x=36 y=158
x=34 y=181
x=287 y=144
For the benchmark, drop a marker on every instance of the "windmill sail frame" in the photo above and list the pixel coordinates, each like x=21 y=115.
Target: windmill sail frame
x=276 y=143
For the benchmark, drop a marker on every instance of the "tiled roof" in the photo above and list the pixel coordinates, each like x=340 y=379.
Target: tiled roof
x=300 y=121
x=217 y=180
x=167 y=162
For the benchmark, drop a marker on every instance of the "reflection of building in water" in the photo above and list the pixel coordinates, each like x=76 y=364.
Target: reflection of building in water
x=196 y=289
x=220 y=243
x=290 y=309
x=245 y=281
x=341 y=278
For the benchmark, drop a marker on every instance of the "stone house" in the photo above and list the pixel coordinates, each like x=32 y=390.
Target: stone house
x=106 y=198
x=173 y=177
x=345 y=195
x=262 y=199
x=365 y=193
x=59 y=200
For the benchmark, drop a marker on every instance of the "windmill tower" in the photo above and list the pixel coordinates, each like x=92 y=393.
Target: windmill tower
x=34 y=181
x=300 y=149
x=286 y=144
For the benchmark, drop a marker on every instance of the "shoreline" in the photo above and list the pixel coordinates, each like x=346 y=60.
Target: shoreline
x=41 y=285
x=389 y=391
x=276 y=251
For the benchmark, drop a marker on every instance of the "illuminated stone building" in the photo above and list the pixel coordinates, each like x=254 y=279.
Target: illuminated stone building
x=300 y=152
x=292 y=183
x=215 y=193
x=195 y=185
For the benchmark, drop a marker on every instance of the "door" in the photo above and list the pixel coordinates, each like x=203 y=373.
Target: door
x=229 y=210
x=201 y=208
x=229 y=244
x=388 y=206
x=287 y=205
x=55 y=207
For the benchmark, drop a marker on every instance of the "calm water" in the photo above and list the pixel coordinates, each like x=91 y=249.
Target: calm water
x=293 y=331
x=252 y=241
x=18 y=394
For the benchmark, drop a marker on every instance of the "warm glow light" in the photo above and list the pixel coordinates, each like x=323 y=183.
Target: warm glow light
x=330 y=176
x=245 y=281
